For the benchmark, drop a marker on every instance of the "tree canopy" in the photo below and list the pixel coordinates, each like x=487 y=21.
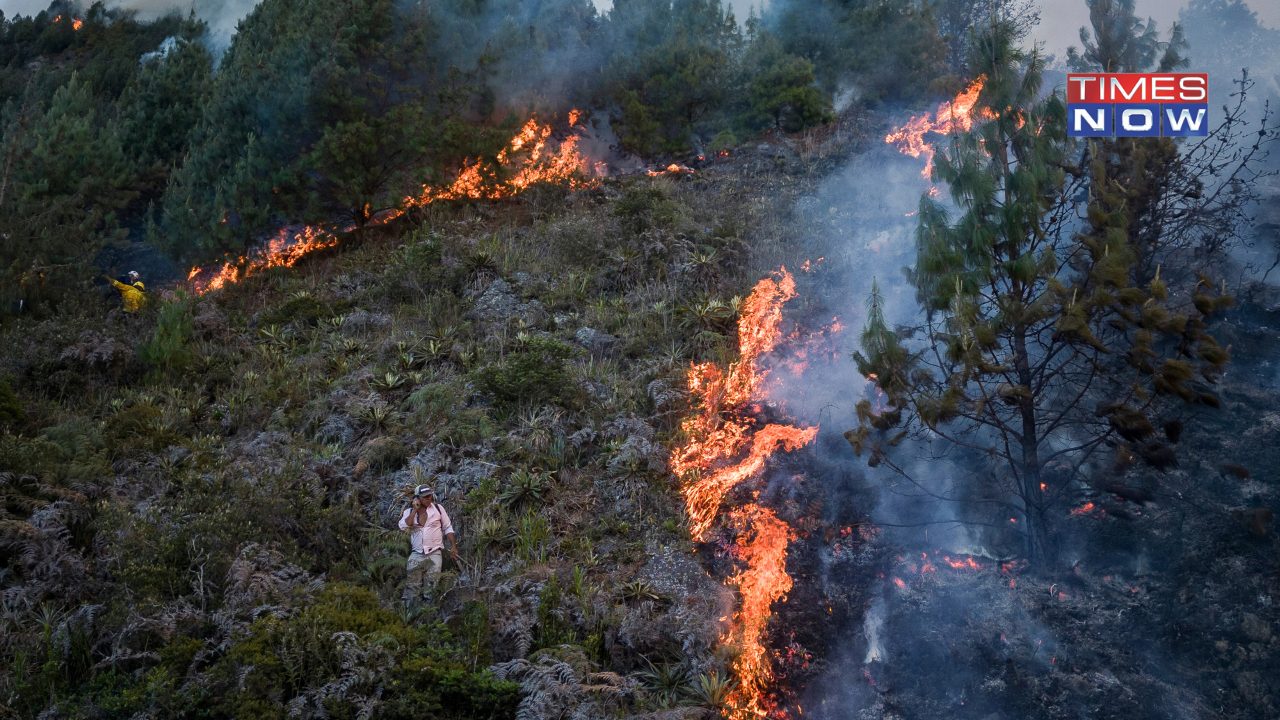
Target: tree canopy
x=1039 y=351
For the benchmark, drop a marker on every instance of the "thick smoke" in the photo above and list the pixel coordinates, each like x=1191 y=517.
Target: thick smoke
x=862 y=222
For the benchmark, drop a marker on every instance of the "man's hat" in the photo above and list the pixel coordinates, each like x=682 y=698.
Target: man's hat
x=423 y=491
x=133 y=273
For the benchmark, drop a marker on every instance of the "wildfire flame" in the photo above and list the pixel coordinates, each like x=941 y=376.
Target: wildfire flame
x=283 y=250
x=75 y=24
x=951 y=117
x=672 y=169
x=712 y=461
x=526 y=156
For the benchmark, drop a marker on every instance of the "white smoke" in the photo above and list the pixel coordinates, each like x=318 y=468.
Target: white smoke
x=872 y=624
x=221 y=15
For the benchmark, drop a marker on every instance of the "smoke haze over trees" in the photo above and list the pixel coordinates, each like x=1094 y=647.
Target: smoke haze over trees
x=1057 y=355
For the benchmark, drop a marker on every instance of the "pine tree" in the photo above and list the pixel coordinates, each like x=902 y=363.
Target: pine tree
x=65 y=180
x=1026 y=314
x=322 y=110
x=782 y=90
x=888 y=50
x=676 y=65
x=1122 y=43
x=159 y=109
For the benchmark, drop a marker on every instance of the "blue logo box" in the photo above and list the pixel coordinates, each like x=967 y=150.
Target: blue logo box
x=1137 y=120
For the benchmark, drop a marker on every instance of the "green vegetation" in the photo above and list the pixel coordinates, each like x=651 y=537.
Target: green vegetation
x=198 y=501
x=260 y=435
x=533 y=373
x=1032 y=328
x=300 y=124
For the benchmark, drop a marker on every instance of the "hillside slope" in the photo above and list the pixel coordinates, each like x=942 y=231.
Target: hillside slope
x=200 y=499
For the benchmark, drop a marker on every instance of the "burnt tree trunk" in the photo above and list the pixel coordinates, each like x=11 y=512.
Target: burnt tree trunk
x=1039 y=548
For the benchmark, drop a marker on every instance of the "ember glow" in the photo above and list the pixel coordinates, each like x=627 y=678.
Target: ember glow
x=672 y=169
x=951 y=117
x=962 y=563
x=724 y=446
x=283 y=250
x=1089 y=509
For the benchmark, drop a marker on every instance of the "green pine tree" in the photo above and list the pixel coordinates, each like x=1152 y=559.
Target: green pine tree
x=1038 y=348
x=65 y=179
x=160 y=108
x=673 y=65
x=322 y=110
x=782 y=90
x=1145 y=171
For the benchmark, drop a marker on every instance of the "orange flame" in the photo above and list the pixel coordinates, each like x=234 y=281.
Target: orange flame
x=281 y=251
x=534 y=166
x=527 y=156
x=672 y=169
x=962 y=563
x=75 y=24
x=1089 y=509
x=762 y=545
x=951 y=117
x=711 y=461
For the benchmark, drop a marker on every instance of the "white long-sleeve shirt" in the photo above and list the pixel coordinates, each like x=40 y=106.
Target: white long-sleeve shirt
x=430 y=536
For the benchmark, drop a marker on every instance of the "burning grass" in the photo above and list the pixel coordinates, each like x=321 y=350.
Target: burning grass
x=283 y=250
x=527 y=160
x=712 y=461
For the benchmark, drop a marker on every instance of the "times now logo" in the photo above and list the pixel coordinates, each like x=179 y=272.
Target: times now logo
x=1137 y=104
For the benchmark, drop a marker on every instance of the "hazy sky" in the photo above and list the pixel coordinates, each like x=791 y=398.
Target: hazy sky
x=1059 y=24
x=1060 y=21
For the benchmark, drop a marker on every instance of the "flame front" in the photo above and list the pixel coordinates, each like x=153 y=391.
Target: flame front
x=712 y=462
x=951 y=117
x=283 y=250
x=526 y=156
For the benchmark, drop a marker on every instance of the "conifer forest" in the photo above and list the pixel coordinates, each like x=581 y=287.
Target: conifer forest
x=759 y=362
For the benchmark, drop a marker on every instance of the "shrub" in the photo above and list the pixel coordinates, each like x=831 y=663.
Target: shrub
x=11 y=413
x=642 y=207
x=140 y=426
x=436 y=400
x=167 y=348
x=383 y=454
x=534 y=373
x=418 y=669
x=723 y=141
x=415 y=269
x=303 y=308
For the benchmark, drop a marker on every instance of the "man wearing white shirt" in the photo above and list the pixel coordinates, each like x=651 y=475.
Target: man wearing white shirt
x=429 y=527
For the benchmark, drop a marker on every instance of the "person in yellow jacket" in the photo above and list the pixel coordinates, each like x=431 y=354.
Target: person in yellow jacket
x=133 y=294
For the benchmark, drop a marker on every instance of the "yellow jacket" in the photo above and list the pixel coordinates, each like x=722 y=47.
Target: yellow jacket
x=133 y=295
